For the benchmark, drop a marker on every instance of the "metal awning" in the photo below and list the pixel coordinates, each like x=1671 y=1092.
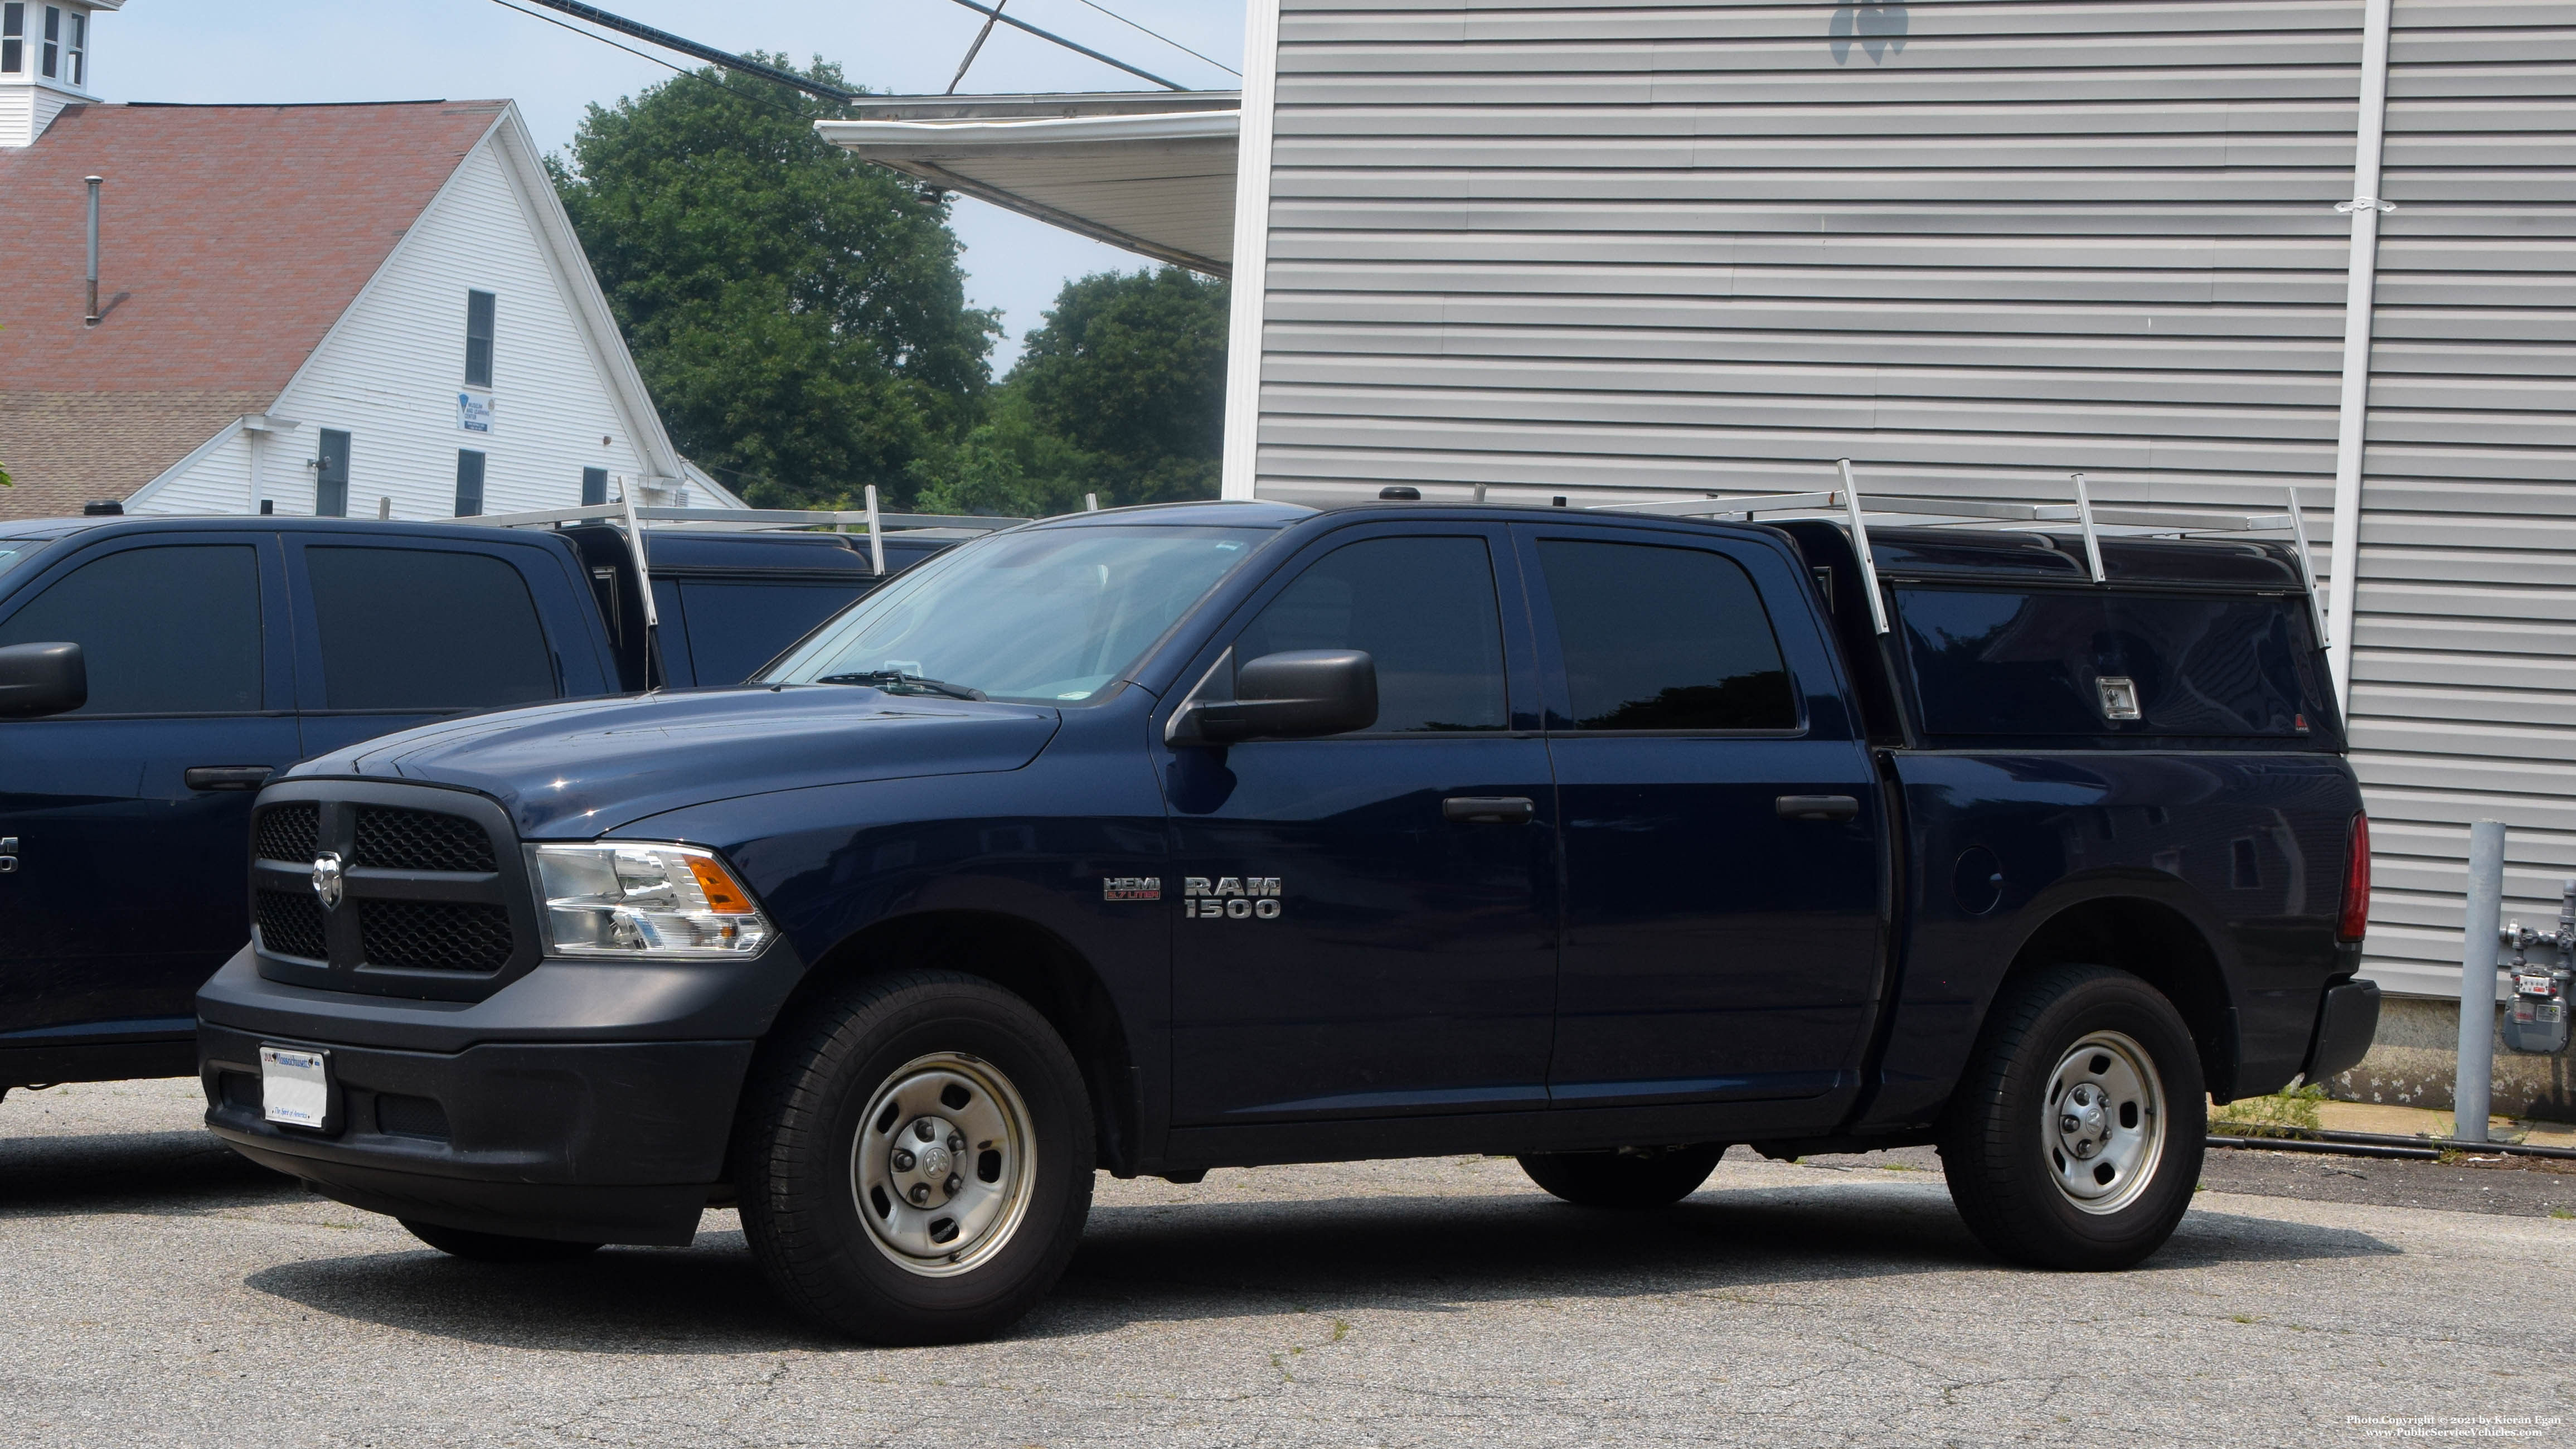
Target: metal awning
x=1150 y=171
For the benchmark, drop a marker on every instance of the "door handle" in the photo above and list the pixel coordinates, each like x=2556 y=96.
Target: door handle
x=1489 y=809
x=1816 y=807
x=226 y=777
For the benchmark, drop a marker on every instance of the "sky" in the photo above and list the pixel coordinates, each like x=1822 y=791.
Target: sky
x=359 y=50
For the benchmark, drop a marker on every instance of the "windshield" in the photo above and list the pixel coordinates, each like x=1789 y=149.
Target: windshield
x=1051 y=615
x=15 y=551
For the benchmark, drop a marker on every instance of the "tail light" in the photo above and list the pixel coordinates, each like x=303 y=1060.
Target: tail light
x=2356 y=883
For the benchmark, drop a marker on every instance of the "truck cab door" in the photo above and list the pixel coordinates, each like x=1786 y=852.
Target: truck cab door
x=396 y=631
x=1723 y=830
x=1352 y=943
x=131 y=815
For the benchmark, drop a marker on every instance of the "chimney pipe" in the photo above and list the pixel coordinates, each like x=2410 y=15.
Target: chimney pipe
x=92 y=319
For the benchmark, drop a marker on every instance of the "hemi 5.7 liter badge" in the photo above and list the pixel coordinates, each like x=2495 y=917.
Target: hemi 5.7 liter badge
x=1131 y=888
x=1233 y=897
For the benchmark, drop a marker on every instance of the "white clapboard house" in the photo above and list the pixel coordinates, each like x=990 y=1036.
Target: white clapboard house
x=1617 y=250
x=306 y=309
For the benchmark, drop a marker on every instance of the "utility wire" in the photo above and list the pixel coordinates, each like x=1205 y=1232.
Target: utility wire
x=666 y=65
x=686 y=46
x=1158 y=35
x=1020 y=24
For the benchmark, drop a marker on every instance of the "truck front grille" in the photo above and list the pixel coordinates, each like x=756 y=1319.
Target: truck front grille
x=288 y=832
x=390 y=839
x=435 y=935
x=291 y=924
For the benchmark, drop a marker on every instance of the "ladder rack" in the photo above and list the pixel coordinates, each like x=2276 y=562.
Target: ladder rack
x=1846 y=505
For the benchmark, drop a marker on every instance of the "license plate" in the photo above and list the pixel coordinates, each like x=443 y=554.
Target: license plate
x=295 y=1085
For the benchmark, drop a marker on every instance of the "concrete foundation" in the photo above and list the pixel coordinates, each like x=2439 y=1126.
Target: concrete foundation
x=2415 y=1058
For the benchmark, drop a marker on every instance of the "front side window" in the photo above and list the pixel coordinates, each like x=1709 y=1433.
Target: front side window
x=1658 y=638
x=1422 y=608
x=734 y=628
x=1042 y=615
x=162 y=630
x=478 y=339
x=469 y=483
x=413 y=628
x=13 y=37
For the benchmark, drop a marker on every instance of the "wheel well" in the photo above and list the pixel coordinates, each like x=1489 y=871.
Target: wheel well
x=1031 y=963
x=2159 y=944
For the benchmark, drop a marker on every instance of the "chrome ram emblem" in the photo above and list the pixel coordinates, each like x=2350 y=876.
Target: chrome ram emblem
x=328 y=883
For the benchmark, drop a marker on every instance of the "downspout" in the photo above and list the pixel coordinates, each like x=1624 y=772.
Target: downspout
x=1251 y=250
x=2369 y=131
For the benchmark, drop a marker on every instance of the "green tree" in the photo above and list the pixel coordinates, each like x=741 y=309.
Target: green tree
x=1121 y=393
x=799 y=315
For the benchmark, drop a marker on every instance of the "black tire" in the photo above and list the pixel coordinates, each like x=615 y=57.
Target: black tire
x=815 y=1139
x=1628 y=1178
x=2037 y=1191
x=496 y=1247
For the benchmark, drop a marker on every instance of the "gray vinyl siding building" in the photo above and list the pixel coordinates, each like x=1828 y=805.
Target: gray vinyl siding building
x=1599 y=250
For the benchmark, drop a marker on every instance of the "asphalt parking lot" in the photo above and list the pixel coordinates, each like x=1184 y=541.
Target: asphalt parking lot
x=160 y=1291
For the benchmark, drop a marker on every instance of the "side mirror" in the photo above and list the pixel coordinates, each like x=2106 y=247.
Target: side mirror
x=1297 y=694
x=42 y=679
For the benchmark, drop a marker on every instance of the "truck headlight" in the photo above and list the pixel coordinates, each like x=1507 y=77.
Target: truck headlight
x=643 y=900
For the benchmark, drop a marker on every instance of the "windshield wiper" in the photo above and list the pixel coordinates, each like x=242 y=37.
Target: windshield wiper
x=895 y=681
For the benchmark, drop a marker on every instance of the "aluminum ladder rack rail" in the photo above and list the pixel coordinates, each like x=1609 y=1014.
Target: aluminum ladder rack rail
x=1847 y=505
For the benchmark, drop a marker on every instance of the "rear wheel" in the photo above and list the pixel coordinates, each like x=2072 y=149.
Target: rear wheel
x=496 y=1247
x=1627 y=1177
x=917 y=1160
x=2076 y=1138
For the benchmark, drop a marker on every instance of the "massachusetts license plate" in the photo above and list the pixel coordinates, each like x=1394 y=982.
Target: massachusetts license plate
x=295 y=1085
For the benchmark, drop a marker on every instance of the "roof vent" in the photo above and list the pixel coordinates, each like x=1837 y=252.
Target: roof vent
x=103 y=508
x=1399 y=494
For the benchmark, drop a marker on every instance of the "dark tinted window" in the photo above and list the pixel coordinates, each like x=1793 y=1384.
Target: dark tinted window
x=2005 y=662
x=478 y=339
x=1424 y=610
x=162 y=630
x=469 y=483
x=1664 y=639
x=410 y=628
x=736 y=628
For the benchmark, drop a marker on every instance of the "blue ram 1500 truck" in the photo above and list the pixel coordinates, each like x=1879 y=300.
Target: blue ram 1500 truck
x=154 y=672
x=1174 y=838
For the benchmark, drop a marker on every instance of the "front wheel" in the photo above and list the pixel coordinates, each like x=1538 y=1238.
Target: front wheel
x=1629 y=1177
x=916 y=1160
x=2076 y=1138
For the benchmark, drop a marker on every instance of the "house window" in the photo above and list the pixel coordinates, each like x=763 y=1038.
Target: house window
x=594 y=487
x=469 y=483
x=13 y=37
x=79 y=49
x=47 y=53
x=478 y=339
x=331 y=476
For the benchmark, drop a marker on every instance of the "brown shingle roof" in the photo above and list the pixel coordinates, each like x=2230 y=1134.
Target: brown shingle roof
x=232 y=237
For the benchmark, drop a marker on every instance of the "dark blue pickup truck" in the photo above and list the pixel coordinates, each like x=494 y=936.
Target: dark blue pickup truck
x=1175 y=838
x=215 y=651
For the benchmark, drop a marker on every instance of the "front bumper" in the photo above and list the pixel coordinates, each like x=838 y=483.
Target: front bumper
x=591 y=1139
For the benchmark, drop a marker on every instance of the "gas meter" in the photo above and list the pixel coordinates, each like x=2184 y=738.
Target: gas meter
x=2535 y=1018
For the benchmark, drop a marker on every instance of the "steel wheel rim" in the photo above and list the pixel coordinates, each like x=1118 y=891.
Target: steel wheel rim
x=2102 y=1122
x=946 y=1202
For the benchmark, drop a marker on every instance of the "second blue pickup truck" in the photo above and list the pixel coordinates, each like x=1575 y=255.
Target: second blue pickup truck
x=1175 y=838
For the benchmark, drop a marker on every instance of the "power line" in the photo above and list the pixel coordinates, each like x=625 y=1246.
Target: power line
x=686 y=46
x=1167 y=40
x=1075 y=47
x=666 y=65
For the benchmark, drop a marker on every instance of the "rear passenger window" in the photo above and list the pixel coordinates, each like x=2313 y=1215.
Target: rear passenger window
x=426 y=629
x=1661 y=638
x=170 y=630
x=2020 y=662
x=1424 y=610
x=736 y=628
